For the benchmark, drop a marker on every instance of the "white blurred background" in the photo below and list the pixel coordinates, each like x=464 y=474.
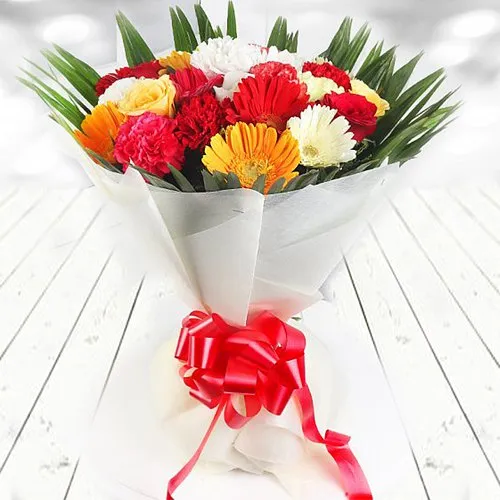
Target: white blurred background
x=461 y=35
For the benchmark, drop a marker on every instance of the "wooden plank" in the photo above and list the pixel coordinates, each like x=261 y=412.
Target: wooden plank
x=467 y=286
x=29 y=231
x=45 y=332
x=49 y=441
x=157 y=313
x=24 y=290
x=458 y=353
x=345 y=316
x=17 y=207
x=480 y=247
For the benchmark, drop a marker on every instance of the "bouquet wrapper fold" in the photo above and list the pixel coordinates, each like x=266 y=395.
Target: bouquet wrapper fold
x=237 y=254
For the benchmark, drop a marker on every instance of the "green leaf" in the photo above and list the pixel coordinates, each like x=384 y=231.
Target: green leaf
x=403 y=104
x=232 y=181
x=56 y=103
x=260 y=183
x=51 y=75
x=373 y=74
x=218 y=32
x=331 y=175
x=294 y=44
x=103 y=162
x=204 y=25
x=188 y=30
x=398 y=81
x=87 y=72
x=209 y=182
x=181 y=40
x=282 y=37
x=154 y=180
x=277 y=186
x=70 y=106
x=181 y=180
x=372 y=55
x=340 y=43
x=74 y=77
x=231 y=27
x=356 y=46
x=302 y=181
x=221 y=179
x=275 y=32
x=136 y=49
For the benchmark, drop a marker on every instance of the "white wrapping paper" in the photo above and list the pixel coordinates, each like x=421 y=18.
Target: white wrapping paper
x=237 y=252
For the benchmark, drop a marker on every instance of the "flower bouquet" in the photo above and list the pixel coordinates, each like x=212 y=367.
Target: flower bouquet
x=250 y=171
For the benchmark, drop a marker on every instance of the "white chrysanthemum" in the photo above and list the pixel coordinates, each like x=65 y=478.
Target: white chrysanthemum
x=319 y=86
x=283 y=56
x=219 y=56
x=230 y=84
x=323 y=137
x=117 y=90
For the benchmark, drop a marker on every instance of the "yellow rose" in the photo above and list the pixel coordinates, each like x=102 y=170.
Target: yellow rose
x=359 y=87
x=149 y=94
x=176 y=60
x=318 y=87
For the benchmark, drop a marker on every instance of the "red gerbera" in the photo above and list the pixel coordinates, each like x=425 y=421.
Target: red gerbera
x=358 y=111
x=328 y=70
x=192 y=81
x=270 y=100
x=273 y=69
x=199 y=118
x=149 y=142
x=144 y=70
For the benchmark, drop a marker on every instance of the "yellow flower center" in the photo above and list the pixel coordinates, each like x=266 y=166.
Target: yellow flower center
x=310 y=151
x=249 y=170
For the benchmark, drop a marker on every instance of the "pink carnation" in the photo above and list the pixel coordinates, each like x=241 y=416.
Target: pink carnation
x=149 y=142
x=274 y=69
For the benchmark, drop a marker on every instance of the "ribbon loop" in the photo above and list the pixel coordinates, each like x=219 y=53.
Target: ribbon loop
x=262 y=365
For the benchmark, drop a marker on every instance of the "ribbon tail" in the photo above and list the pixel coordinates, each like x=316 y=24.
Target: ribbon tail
x=179 y=478
x=353 y=478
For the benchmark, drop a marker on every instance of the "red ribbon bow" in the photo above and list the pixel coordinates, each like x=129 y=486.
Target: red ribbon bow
x=264 y=362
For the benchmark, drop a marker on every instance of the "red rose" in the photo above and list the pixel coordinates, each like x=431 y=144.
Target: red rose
x=149 y=142
x=359 y=112
x=328 y=70
x=199 y=118
x=143 y=70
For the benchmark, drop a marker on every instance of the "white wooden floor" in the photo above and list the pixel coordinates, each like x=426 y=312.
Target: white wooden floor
x=422 y=291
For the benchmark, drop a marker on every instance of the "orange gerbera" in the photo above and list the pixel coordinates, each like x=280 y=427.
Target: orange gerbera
x=176 y=60
x=250 y=151
x=99 y=130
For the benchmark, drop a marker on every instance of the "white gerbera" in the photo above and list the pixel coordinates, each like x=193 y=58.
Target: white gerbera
x=117 y=90
x=323 y=137
x=221 y=55
x=319 y=86
x=230 y=84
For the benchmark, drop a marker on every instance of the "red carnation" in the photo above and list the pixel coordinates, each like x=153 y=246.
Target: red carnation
x=328 y=70
x=149 y=142
x=143 y=70
x=359 y=112
x=198 y=120
x=274 y=69
x=265 y=99
x=192 y=81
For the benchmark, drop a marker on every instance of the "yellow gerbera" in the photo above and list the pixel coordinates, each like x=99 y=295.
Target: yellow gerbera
x=175 y=60
x=99 y=130
x=252 y=150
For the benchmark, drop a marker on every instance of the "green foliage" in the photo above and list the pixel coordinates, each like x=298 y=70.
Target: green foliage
x=136 y=49
x=231 y=27
x=280 y=37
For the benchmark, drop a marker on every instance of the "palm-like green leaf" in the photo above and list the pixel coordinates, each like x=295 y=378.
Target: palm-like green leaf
x=136 y=49
x=181 y=180
x=231 y=27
